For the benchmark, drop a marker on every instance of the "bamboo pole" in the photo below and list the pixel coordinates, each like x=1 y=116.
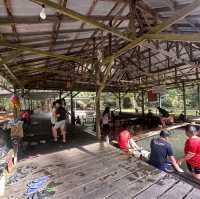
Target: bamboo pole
x=120 y=106
x=142 y=102
x=21 y=48
x=184 y=99
x=98 y=113
x=198 y=96
x=72 y=109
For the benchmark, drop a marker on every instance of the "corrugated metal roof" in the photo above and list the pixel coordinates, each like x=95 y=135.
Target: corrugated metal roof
x=58 y=34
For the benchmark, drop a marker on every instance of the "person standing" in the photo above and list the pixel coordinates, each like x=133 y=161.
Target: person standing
x=60 y=120
x=105 y=123
x=192 y=152
x=161 y=150
x=53 y=121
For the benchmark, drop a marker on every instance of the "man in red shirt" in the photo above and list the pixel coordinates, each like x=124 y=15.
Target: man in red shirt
x=192 y=152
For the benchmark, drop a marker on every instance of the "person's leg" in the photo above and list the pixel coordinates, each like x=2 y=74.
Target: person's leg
x=63 y=131
x=54 y=133
x=107 y=133
x=162 y=120
x=196 y=173
x=197 y=176
x=103 y=134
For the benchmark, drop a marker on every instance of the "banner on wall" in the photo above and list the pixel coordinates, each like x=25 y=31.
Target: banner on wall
x=152 y=96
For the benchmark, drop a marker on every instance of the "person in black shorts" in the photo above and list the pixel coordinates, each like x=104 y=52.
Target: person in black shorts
x=60 y=119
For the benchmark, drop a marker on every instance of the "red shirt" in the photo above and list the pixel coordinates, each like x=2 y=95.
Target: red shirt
x=193 y=145
x=123 y=139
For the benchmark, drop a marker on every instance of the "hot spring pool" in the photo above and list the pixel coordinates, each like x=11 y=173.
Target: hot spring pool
x=177 y=140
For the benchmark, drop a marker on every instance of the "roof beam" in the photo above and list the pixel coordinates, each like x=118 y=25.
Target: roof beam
x=41 y=52
x=53 y=18
x=134 y=42
x=194 y=37
x=83 y=18
x=157 y=29
x=181 y=14
x=3 y=63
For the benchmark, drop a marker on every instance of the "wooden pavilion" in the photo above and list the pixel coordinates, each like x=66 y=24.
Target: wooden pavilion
x=97 y=45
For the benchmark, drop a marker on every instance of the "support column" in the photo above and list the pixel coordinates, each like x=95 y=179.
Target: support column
x=16 y=110
x=60 y=94
x=98 y=113
x=142 y=102
x=198 y=97
x=120 y=106
x=31 y=104
x=72 y=109
x=160 y=100
x=184 y=99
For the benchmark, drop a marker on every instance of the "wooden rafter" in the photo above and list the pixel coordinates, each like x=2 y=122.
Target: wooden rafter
x=52 y=18
x=192 y=37
x=41 y=52
x=96 y=31
x=56 y=27
x=83 y=24
x=163 y=25
x=83 y=18
x=179 y=15
x=15 y=79
x=132 y=17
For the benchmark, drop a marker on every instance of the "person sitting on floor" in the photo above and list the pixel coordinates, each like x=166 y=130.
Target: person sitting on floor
x=163 y=112
x=165 y=117
x=78 y=121
x=127 y=143
x=182 y=117
x=124 y=137
x=192 y=152
x=152 y=121
x=161 y=150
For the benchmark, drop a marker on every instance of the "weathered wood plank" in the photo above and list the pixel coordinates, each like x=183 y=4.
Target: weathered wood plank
x=180 y=190
x=85 y=176
x=122 y=184
x=59 y=161
x=115 y=173
x=195 y=194
x=158 y=188
x=62 y=172
x=139 y=185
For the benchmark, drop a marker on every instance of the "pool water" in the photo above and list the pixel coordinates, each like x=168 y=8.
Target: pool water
x=177 y=140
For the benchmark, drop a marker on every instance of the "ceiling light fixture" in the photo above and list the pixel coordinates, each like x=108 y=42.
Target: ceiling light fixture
x=43 y=13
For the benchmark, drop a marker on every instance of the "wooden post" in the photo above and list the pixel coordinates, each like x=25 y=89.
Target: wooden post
x=120 y=107
x=198 y=96
x=160 y=100
x=15 y=109
x=60 y=94
x=72 y=109
x=143 y=102
x=31 y=104
x=184 y=99
x=98 y=113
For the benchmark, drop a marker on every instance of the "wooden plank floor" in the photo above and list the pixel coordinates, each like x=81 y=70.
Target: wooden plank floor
x=97 y=171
